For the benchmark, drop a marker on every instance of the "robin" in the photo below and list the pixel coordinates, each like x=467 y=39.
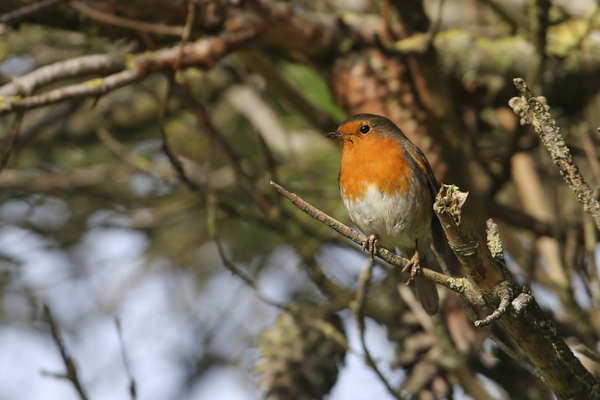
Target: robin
x=388 y=189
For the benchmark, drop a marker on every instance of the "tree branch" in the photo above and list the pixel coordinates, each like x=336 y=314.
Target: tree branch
x=524 y=320
x=358 y=306
x=458 y=285
x=71 y=373
x=27 y=10
x=534 y=113
x=106 y=18
x=203 y=54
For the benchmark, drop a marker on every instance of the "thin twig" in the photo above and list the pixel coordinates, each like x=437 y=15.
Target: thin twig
x=173 y=158
x=258 y=61
x=539 y=11
x=212 y=226
x=138 y=162
x=12 y=138
x=326 y=328
x=534 y=113
x=455 y=284
x=436 y=26
x=359 y=307
x=589 y=353
x=132 y=385
x=126 y=23
x=234 y=159
x=71 y=373
x=512 y=354
x=59 y=115
x=590 y=152
x=27 y=10
x=186 y=31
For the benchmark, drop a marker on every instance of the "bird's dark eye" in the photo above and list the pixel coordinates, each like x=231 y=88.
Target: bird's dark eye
x=365 y=129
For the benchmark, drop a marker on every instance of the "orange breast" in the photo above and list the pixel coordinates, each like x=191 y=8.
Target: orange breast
x=373 y=161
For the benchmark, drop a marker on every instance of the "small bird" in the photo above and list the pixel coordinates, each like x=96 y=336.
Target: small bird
x=388 y=189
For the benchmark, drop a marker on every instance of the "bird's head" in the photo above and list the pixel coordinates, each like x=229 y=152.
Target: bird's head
x=365 y=129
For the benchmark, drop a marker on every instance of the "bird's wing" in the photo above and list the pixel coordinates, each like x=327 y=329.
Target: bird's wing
x=440 y=243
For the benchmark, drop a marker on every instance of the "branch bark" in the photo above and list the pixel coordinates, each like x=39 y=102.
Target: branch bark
x=535 y=113
x=203 y=54
x=524 y=320
x=488 y=285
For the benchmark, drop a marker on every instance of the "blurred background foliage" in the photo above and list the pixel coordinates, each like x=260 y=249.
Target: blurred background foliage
x=96 y=222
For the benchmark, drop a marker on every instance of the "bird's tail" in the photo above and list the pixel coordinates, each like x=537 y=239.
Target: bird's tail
x=427 y=294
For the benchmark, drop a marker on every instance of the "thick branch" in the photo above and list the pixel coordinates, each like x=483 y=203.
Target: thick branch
x=98 y=64
x=202 y=54
x=535 y=113
x=524 y=321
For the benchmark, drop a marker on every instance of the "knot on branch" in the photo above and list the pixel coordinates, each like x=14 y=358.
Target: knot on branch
x=465 y=249
x=503 y=291
x=494 y=242
x=450 y=200
x=527 y=106
x=520 y=303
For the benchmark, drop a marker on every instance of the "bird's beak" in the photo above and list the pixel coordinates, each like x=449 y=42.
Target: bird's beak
x=335 y=135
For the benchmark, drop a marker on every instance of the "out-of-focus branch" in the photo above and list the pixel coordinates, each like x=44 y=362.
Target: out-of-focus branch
x=132 y=385
x=185 y=35
x=12 y=138
x=59 y=114
x=27 y=10
x=52 y=181
x=535 y=201
x=71 y=373
x=538 y=11
x=427 y=77
x=517 y=218
x=504 y=13
x=590 y=152
x=359 y=313
x=100 y=16
x=166 y=146
x=534 y=113
x=272 y=215
x=202 y=54
x=99 y=64
x=258 y=61
x=230 y=154
x=328 y=329
x=524 y=321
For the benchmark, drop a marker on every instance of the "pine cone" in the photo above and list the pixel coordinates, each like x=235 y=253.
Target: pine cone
x=301 y=353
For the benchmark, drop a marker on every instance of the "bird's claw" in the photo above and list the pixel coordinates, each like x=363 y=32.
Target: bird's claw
x=370 y=244
x=415 y=267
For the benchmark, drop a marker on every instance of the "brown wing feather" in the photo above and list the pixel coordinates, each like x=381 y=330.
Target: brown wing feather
x=439 y=239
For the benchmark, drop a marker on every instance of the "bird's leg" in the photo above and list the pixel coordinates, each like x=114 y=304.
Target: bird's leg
x=370 y=244
x=414 y=265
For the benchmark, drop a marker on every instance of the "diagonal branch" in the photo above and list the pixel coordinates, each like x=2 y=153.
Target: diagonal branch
x=359 y=313
x=202 y=54
x=71 y=373
x=535 y=113
x=524 y=319
x=12 y=138
x=126 y=23
x=27 y=10
x=459 y=285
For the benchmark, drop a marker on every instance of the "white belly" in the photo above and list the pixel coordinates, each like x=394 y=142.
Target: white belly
x=398 y=221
